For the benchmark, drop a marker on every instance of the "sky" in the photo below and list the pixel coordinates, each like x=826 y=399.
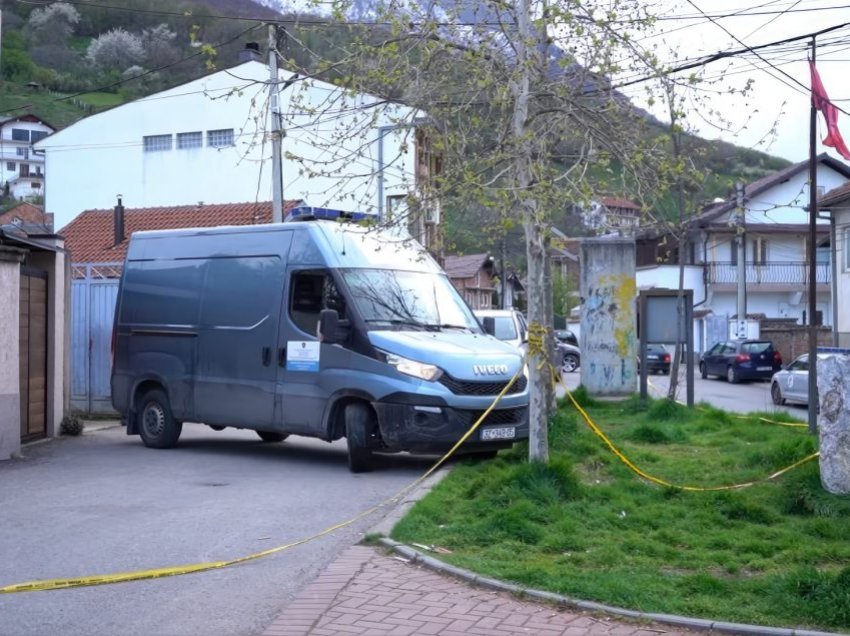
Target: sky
x=776 y=100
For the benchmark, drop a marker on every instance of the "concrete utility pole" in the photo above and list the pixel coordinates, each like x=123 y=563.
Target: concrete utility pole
x=740 y=239
x=502 y=274
x=274 y=113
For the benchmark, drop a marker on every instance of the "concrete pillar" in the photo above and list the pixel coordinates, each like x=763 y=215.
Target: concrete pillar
x=10 y=362
x=834 y=423
x=608 y=325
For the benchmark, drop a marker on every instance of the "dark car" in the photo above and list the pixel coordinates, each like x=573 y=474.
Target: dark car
x=567 y=336
x=738 y=360
x=657 y=359
x=567 y=357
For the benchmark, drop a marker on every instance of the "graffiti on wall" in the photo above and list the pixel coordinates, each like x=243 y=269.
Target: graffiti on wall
x=609 y=321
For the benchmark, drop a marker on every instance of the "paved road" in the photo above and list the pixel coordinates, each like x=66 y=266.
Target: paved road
x=103 y=503
x=738 y=398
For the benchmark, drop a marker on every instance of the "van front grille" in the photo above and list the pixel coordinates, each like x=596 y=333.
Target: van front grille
x=469 y=387
x=498 y=417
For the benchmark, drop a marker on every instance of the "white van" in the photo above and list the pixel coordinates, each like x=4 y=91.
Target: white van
x=509 y=325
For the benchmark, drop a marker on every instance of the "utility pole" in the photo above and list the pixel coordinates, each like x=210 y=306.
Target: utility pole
x=504 y=283
x=740 y=240
x=277 y=168
x=813 y=278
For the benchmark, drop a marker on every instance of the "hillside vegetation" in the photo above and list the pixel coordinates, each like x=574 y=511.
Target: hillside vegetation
x=63 y=62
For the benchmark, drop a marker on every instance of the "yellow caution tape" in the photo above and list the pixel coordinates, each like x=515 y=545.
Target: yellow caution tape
x=661 y=482
x=139 y=575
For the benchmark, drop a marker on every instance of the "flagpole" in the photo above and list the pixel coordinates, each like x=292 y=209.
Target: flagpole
x=811 y=257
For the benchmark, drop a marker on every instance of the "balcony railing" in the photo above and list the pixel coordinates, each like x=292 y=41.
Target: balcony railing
x=783 y=273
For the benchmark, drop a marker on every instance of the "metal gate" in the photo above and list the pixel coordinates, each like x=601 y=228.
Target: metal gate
x=94 y=288
x=716 y=329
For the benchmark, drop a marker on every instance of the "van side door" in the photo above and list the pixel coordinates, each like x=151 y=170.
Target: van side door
x=237 y=368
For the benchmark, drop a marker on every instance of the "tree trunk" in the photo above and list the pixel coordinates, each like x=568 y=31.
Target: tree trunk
x=539 y=374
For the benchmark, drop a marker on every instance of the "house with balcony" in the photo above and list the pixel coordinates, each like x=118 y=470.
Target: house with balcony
x=22 y=175
x=773 y=224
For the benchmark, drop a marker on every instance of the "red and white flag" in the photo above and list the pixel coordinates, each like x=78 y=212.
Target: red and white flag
x=821 y=102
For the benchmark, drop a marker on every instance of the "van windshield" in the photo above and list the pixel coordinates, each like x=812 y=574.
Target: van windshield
x=408 y=300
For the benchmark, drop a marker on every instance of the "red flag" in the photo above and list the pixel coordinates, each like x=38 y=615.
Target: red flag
x=821 y=102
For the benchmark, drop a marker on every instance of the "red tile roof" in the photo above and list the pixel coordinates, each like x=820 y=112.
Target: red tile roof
x=28 y=213
x=616 y=202
x=90 y=236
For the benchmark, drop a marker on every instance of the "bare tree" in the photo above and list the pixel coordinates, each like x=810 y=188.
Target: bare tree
x=516 y=99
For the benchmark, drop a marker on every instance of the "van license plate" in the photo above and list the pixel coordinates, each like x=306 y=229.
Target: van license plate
x=764 y=368
x=502 y=432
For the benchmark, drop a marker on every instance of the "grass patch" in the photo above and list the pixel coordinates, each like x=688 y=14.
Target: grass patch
x=101 y=100
x=776 y=553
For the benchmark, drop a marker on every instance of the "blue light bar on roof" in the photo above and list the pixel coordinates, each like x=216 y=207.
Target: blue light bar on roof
x=309 y=213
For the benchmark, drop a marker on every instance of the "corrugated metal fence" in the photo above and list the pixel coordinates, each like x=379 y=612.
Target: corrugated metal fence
x=94 y=289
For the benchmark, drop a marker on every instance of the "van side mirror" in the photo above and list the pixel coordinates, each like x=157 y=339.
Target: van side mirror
x=489 y=324
x=328 y=326
x=331 y=329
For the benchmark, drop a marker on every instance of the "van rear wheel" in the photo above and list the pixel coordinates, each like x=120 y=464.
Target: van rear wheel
x=269 y=436
x=157 y=426
x=359 y=425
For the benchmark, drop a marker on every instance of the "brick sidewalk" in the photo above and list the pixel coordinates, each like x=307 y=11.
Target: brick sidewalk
x=367 y=592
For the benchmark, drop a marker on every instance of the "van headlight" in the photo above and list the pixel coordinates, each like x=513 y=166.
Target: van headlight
x=413 y=368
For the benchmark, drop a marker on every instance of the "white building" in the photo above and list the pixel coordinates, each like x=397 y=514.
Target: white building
x=837 y=202
x=22 y=169
x=209 y=141
x=775 y=229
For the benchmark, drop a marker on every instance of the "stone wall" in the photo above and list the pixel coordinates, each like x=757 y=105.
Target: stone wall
x=791 y=339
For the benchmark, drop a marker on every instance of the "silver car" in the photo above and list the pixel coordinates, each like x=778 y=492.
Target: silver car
x=791 y=384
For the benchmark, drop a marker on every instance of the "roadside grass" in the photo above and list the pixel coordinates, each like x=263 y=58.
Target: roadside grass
x=776 y=553
x=101 y=100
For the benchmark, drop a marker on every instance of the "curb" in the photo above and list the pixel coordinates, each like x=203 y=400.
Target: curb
x=417 y=557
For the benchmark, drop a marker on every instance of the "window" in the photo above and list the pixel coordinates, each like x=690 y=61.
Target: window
x=157 y=143
x=37 y=135
x=25 y=170
x=310 y=292
x=23 y=152
x=759 y=251
x=220 y=138
x=20 y=134
x=733 y=251
x=10 y=166
x=189 y=140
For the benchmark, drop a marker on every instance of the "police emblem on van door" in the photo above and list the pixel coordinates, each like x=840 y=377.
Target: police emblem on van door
x=490 y=369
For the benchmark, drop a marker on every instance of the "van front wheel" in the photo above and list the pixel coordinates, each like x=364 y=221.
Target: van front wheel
x=359 y=424
x=157 y=426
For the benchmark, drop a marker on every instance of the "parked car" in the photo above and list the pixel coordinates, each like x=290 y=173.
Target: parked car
x=791 y=384
x=738 y=360
x=657 y=359
x=508 y=325
x=567 y=336
x=568 y=357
